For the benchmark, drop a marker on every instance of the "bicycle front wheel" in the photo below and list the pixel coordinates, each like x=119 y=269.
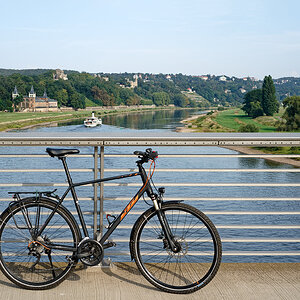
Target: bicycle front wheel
x=199 y=257
x=33 y=264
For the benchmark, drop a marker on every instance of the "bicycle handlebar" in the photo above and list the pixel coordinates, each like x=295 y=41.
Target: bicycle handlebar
x=145 y=156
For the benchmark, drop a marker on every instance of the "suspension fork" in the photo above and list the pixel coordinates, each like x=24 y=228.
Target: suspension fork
x=175 y=247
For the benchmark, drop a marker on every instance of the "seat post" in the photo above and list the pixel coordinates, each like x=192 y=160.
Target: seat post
x=63 y=159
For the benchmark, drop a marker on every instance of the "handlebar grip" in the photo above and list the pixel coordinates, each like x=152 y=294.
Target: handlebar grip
x=139 y=153
x=149 y=154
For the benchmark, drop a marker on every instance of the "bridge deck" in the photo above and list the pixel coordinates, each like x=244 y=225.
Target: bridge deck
x=123 y=281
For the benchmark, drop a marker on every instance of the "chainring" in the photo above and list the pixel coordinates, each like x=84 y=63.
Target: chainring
x=92 y=251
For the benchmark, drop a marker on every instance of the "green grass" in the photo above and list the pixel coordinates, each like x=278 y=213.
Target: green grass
x=280 y=150
x=19 y=120
x=89 y=103
x=17 y=116
x=234 y=118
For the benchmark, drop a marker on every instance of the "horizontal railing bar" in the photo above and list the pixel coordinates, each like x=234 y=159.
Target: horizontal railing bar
x=43 y=170
x=225 y=212
x=164 y=184
x=235 y=226
x=156 y=170
x=212 y=155
x=262 y=253
x=86 y=212
x=164 y=155
x=40 y=155
x=225 y=240
x=169 y=139
x=210 y=199
x=224 y=253
x=209 y=184
x=182 y=199
x=209 y=170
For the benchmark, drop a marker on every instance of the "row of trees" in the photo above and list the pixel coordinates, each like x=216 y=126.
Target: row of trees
x=262 y=101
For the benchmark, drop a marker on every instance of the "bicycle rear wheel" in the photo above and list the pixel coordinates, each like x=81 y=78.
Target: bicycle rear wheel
x=30 y=263
x=194 y=265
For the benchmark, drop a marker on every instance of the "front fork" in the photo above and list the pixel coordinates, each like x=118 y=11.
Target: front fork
x=157 y=203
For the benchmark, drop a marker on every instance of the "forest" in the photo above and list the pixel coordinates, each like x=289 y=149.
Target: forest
x=107 y=89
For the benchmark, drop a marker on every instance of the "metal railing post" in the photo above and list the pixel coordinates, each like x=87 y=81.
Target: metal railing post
x=101 y=190
x=95 y=191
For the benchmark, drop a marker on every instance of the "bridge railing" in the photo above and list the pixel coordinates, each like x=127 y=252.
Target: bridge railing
x=247 y=225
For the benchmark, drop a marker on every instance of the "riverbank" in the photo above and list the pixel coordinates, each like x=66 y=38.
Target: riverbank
x=208 y=123
x=249 y=150
x=188 y=127
x=20 y=120
x=229 y=120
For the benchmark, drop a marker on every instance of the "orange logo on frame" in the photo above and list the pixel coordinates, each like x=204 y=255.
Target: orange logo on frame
x=129 y=206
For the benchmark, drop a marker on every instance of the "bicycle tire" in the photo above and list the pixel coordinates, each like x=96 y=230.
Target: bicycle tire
x=27 y=263
x=198 y=260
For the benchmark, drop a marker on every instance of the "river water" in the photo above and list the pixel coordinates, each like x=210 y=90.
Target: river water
x=164 y=121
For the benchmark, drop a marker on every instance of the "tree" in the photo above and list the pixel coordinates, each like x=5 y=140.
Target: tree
x=291 y=115
x=180 y=100
x=269 y=103
x=161 y=98
x=16 y=101
x=75 y=101
x=62 y=97
x=252 y=103
x=255 y=110
x=134 y=100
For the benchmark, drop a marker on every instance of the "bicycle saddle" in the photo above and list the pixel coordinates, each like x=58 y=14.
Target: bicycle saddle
x=61 y=152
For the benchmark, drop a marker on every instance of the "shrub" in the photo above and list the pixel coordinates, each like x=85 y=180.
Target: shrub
x=249 y=128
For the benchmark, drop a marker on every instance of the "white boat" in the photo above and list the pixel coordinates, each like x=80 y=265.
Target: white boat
x=92 y=121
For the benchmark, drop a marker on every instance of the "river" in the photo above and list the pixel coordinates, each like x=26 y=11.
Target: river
x=164 y=121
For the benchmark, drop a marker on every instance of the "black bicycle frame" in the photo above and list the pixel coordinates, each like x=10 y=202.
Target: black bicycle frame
x=145 y=188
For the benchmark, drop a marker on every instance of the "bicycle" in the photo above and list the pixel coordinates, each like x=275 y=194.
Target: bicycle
x=174 y=245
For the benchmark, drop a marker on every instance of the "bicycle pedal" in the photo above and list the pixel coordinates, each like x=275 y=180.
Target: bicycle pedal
x=70 y=259
x=109 y=244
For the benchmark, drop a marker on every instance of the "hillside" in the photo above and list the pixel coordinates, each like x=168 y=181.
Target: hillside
x=106 y=89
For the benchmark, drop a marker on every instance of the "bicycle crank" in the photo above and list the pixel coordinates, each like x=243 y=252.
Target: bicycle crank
x=90 y=252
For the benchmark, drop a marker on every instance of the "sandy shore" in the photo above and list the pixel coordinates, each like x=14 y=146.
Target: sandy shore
x=248 y=150
x=186 y=128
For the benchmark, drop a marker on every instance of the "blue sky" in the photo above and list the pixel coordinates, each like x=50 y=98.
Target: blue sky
x=233 y=37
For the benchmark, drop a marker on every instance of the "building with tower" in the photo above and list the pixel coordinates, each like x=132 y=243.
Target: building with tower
x=133 y=83
x=15 y=93
x=32 y=103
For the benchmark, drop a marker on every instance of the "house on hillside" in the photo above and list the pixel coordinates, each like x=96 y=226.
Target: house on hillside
x=32 y=103
x=59 y=74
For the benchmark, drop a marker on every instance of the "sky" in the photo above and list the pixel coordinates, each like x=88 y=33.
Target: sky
x=194 y=37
